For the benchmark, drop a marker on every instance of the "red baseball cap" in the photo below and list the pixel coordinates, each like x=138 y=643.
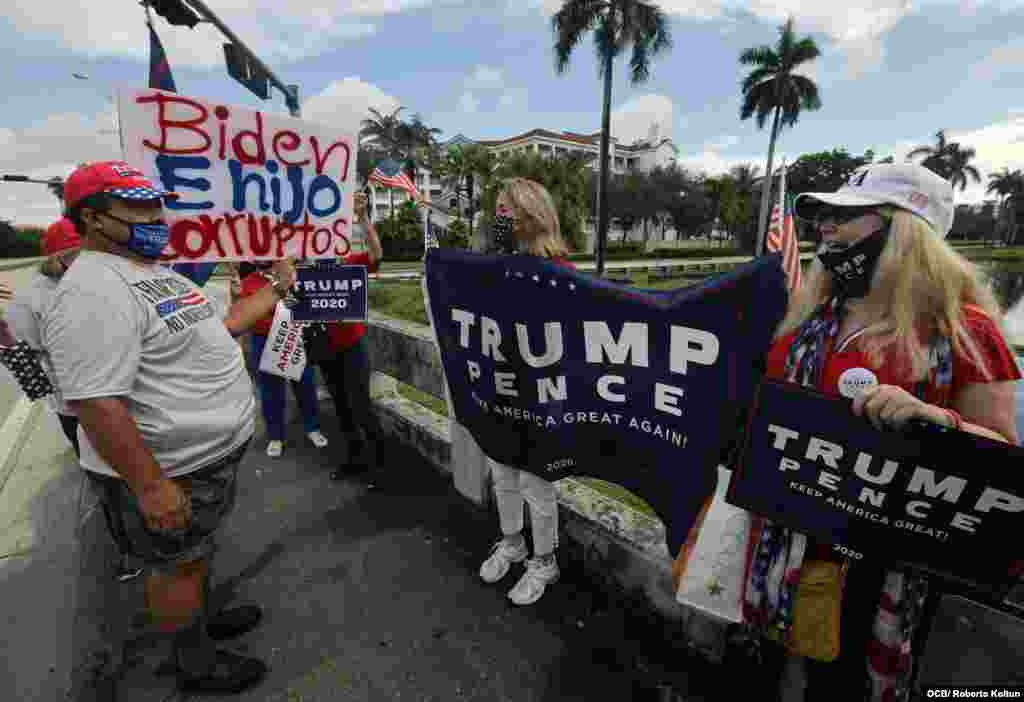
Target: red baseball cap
x=60 y=236
x=115 y=178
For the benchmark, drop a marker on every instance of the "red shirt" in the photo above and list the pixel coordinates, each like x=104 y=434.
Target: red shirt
x=344 y=335
x=983 y=330
x=999 y=359
x=252 y=284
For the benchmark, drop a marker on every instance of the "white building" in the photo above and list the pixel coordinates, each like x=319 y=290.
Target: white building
x=644 y=156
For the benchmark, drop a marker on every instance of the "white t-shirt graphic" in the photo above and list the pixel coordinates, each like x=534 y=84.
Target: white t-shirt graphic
x=149 y=335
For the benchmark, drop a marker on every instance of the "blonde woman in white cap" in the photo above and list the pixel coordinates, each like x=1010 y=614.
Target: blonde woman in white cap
x=891 y=316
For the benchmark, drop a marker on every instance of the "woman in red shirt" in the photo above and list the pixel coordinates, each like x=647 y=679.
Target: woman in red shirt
x=347 y=372
x=272 y=387
x=892 y=317
x=526 y=222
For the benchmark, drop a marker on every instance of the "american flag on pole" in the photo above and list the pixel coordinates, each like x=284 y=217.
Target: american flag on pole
x=389 y=174
x=160 y=78
x=781 y=236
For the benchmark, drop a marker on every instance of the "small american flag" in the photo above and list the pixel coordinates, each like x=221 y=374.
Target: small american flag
x=781 y=236
x=389 y=173
x=171 y=306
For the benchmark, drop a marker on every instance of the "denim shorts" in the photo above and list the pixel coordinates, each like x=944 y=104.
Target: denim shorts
x=212 y=491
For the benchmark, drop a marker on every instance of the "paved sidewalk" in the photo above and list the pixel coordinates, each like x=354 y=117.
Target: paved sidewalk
x=369 y=588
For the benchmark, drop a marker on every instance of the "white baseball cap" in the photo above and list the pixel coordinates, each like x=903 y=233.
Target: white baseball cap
x=907 y=186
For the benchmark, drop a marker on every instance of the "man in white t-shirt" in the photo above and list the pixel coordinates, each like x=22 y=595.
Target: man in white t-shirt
x=165 y=405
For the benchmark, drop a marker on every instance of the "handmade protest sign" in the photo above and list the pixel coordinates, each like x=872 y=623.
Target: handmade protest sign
x=328 y=292
x=940 y=501
x=252 y=185
x=560 y=373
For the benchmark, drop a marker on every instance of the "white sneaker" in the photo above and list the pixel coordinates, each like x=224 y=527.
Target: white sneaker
x=531 y=586
x=275 y=448
x=318 y=439
x=503 y=554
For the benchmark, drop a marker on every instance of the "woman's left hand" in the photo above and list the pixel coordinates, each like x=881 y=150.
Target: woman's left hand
x=892 y=406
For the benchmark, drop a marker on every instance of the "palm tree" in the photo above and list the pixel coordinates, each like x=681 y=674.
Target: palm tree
x=949 y=160
x=617 y=25
x=461 y=169
x=774 y=87
x=384 y=131
x=1009 y=185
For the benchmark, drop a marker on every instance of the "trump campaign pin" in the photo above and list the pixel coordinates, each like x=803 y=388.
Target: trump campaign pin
x=855 y=381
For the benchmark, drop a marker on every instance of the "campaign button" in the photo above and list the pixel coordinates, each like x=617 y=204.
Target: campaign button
x=855 y=381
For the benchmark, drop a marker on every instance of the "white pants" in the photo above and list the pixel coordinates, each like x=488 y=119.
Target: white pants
x=511 y=487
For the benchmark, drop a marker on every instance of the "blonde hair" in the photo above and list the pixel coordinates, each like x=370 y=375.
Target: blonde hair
x=538 y=228
x=922 y=284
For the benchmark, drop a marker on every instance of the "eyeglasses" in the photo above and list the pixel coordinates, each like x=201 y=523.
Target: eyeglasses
x=838 y=215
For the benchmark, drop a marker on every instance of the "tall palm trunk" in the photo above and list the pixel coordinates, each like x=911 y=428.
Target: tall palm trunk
x=602 y=193
x=766 y=189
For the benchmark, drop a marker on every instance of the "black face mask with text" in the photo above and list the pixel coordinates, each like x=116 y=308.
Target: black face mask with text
x=853 y=266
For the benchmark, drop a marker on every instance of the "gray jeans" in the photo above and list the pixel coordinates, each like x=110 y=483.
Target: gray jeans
x=513 y=487
x=212 y=491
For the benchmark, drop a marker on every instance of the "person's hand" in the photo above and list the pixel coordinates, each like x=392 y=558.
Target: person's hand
x=165 y=506
x=284 y=269
x=892 y=406
x=361 y=204
x=6 y=294
x=7 y=337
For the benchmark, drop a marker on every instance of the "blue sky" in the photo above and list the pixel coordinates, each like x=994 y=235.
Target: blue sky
x=891 y=74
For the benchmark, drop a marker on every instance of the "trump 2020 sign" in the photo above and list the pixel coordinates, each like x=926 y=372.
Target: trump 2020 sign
x=560 y=373
x=252 y=185
x=328 y=292
x=941 y=501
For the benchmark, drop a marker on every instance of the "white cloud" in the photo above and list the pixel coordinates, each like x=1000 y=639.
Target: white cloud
x=723 y=142
x=487 y=77
x=712 y=163
x=1004 y=60
x=998 y=145
x=347 y=101
x=856 y=26
x=276 y=32
x=50 y=147
x=633 y=120
x=468 y=102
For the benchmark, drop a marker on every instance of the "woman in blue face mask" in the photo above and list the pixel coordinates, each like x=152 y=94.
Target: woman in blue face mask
x=891 y=317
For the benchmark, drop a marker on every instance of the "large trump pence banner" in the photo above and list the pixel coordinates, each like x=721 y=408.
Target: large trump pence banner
x=940 y=501
x=560 y=373
x=252 y=185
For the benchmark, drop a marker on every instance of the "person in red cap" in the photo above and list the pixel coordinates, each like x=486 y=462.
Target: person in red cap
x=60 y=244
x=165 y=405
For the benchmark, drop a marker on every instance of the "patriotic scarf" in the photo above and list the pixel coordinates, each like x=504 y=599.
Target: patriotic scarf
x=778 y=558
